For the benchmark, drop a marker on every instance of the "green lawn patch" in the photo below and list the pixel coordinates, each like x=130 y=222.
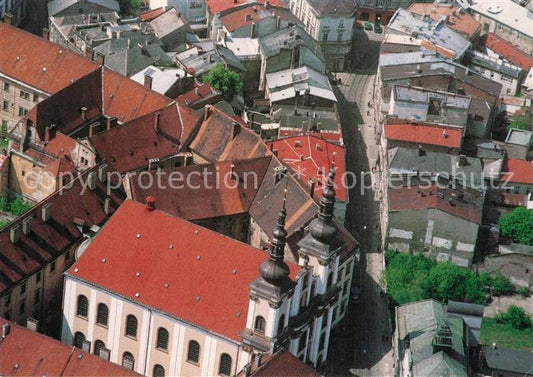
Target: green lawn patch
x=505 y=336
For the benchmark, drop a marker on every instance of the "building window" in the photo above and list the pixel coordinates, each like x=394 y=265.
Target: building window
x=322 y=341
x=37 y=297
x=83 y=306
x=98 y=345
x=259 y=327
x=302 y=342
x=6 y=87
x=193 y=353
x=339 y=37
x=131 y=326
x=225 y=365
x=22 y=307
x=53 y=266
x=325 y=36
x=24 y=94
x=330 y=281
x=79 y=338
x=7 y=300
x=22 y=111
x=5 y=106
x=38 y=277
x=281 y=324
x=102 y=314
x=162 y=339
x=35 y=97
x=159 y=371
x=128 y=361
x=23 y=288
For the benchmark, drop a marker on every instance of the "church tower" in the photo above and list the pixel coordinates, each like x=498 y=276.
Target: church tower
x=270 y=297
x=319 y=250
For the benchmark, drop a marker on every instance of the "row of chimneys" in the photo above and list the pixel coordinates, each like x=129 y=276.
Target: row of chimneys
x=46 y=209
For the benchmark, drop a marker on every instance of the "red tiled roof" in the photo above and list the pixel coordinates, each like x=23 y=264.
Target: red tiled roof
x=132 y=144
x=518 y=171
x=458 y=19
x=198 y=196
x=48 y=240
x=60 y=145
x=424 y=134
x=198 y=93
x=329 y=136
x=301 y=155
x=151 y=14
x=218 y=139
x=280 y=363
x=27 y=353
x=217 y=6
x=253 y=13
x=38 y=62
x=508 y=51
x=207 y=274
x=413 y=198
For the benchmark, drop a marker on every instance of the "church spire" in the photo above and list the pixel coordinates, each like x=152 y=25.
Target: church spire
x=274 y=268
x=323 y=227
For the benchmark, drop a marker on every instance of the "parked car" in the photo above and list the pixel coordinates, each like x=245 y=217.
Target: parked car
x=368 y=25
x=378 y=29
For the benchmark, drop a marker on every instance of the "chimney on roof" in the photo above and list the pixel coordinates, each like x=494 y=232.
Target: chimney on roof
x=102 y=173
x=46 y=211
x=252 y=30
x=32 y=324
x=278 y=22
x=421 y=151
x=444 y=134
x=100 y=58
x=5 y=330
x=91 y=180
x=156 y=121
x=107 y=205
x=235 y=129
x=297 y=143
x=150 y=203
x=312 y=188
x=26 y=225
x=83 y=111
x=208 y=110
x=148 y=81
x=14 y=233
x=8 y=18
x=46 y=33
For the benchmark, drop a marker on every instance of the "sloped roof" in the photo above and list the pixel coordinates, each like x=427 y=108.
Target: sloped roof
x=519 y=171
x=511 y=360
x=56 y=6
x=508 y=51
x=39 y=63
x=254 y=12
x=281 y=363
x=167 y=22
x=306 y=155
x=424 y=134
x=206 y=272
x=217 y=6
x=271 y=44
x=333 y=7
x=48 y=240
x=36 y=354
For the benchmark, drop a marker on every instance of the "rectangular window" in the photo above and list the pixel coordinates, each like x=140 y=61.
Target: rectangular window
x=7 y=300
x=23 y=288
x=5 y=106
x=35 y=97
x=24 y=94
x=22 y=111
x=53 y=266
x=339 y=37
x=325 y=37
x=22 y=307
x=38 y=277
x=37 y=297
x=6 y=87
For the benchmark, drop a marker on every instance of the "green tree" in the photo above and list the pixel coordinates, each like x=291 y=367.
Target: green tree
x=18 y=206
x=4 y=203
x=227 y=81
x=518 y=225
x=446 y=282
x=501 y=285
x=521 y=122
x=515 y=317
x=135 y=4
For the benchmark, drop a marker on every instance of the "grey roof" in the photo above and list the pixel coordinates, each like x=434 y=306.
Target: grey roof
x=167 y=23
x=202 y=63
x=498 y=65
x=408 y=161
x=416 y=57
x=465 y=308
x=407 y=23
x=519 y=137
x=272 y=44
x=455 y=70
x=333 y=7
x=418 y=323
x=306 y=117
x=517 y=361
x=56 y=6
x=408 y=93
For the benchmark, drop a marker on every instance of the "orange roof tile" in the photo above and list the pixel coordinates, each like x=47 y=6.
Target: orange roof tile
x=508 y=51
x=206 y=273
x=458 y=19
x=303 y=156
x=151 y=14
x=254 y=13
x=39 y=63
x=281 y=362
x=217 y=6
x=519 y=171
x=424 y=134
x=27 y=353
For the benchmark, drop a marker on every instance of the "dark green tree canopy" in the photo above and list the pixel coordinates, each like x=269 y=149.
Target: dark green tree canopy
x=225 y=80
x=518 y=225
